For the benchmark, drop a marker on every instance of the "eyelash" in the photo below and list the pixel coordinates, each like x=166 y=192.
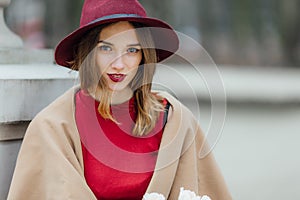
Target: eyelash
x=133 y=50
x=105 y=48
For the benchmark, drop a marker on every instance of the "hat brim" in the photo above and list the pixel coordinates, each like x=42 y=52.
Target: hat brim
x=165 y=38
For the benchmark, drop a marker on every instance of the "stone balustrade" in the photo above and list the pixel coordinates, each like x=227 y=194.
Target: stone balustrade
x=29 y=80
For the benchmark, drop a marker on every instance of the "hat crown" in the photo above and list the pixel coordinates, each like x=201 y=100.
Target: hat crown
x=95 y=9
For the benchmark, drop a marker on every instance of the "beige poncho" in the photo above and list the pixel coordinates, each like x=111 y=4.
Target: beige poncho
x=50 y=163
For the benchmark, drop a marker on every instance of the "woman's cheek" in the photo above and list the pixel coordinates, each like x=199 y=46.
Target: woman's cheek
x=102 y=64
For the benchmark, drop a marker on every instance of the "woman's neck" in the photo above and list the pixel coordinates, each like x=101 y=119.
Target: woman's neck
x=116 y=97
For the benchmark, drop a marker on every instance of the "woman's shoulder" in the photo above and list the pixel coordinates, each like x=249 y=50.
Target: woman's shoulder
x=176 y=106
x=164 y=95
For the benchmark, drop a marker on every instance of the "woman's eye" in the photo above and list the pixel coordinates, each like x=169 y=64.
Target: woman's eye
x=105 y=48
x=133 y=50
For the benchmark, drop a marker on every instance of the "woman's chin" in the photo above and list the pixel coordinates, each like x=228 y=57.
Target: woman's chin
x=118 y=88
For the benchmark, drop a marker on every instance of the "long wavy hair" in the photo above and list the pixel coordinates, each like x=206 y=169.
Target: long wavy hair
x=148 y=105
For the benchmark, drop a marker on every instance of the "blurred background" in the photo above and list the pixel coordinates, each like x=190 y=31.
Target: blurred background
x=256 y=46
x=248 y=32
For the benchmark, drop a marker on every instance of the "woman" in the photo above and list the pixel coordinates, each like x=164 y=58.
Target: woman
x=112 y=137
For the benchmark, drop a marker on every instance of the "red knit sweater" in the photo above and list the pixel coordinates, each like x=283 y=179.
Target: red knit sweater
x=117 y=165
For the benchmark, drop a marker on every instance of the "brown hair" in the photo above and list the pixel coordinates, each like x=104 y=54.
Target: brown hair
x=147 y=104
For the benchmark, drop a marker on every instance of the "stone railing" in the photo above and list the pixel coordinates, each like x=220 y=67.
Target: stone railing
x=29 y=80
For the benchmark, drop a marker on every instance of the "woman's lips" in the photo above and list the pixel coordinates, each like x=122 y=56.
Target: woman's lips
x=116 y=77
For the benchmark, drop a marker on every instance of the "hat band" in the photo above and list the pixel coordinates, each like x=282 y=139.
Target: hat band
x=114 y=16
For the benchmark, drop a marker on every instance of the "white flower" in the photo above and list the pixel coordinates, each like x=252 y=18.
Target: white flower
x=183 y=195
x=189 y=195
x=205 y=197
x=153 y=196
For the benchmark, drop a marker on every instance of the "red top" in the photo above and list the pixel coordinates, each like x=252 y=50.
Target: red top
x=117 y=165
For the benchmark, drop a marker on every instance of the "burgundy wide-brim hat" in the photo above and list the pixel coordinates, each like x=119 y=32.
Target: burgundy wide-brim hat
x=98 y=12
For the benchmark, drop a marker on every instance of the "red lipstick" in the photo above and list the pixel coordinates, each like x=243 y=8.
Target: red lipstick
x=116 y=77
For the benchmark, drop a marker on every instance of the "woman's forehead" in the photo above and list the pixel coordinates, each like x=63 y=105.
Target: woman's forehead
x=119 y=32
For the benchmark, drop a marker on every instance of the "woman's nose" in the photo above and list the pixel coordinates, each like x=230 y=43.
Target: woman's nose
x=119 y=62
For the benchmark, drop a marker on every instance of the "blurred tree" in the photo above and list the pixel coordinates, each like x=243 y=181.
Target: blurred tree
x=159 y=9
x=248 y=32
x=259 y=32
x=288 y=21
x=62 y=17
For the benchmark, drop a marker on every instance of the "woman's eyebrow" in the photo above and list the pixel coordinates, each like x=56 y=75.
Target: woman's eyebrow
x=137 y=44
x=102 y=41
x=129 y=45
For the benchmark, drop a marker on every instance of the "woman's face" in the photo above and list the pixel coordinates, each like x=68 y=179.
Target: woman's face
x=118 y=55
